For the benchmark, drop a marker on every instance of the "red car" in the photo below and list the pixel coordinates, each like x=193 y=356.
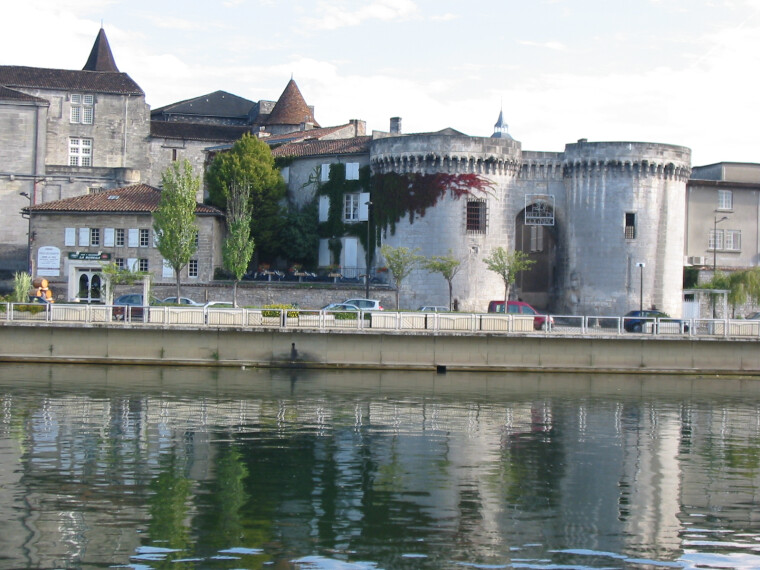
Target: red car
x=520 y=308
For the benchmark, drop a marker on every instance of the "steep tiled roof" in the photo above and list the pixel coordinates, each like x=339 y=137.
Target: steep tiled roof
x=354 y=145
x=291 y=108
x=13 y=95
x=216 y=104
x=138 y=198
x=196 y=131
x=68 y=80
x=101 y=58
x=302 y=135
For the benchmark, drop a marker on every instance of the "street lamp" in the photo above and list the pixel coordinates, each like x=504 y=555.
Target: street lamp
x=28 y=234
x=366 y=269
x=716 y=221
x=715 y=242
x=641 y=266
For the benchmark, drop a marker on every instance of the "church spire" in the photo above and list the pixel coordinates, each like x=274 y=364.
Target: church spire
x=501 y=129
x=101 y=58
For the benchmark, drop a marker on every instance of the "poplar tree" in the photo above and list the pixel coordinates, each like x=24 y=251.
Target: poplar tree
x=239 y=245
x=174 y=220
x=507 y=264
x=400 y=261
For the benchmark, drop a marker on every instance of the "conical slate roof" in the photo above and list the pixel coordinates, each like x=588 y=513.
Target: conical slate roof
x=101 y=58
x=291 y=108
x=501 y=129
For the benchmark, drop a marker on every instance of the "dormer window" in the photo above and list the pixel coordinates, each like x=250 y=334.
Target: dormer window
x=82 y=108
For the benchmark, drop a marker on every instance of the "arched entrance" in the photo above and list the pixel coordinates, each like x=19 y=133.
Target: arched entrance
x=536 y=236
x=90 y=285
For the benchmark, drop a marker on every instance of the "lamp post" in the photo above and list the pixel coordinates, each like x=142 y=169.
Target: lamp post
x=366 y=269
x=641 y=266
x=716 y=221
x=28 y=234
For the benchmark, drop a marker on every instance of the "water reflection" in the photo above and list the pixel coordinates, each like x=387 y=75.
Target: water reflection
x=185 y=468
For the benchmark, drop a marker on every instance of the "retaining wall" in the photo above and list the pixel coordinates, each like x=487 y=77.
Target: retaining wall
x=209 y=346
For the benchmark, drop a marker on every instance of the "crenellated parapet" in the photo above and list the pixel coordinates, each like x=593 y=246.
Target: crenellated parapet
x=627 y=159
x=451 y=154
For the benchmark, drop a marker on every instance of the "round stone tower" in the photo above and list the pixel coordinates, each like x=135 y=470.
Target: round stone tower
x=624 y=225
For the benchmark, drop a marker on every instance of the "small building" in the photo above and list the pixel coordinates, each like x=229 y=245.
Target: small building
x=74 y=238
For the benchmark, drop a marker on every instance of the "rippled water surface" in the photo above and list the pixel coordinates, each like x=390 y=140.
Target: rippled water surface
x=193 y=468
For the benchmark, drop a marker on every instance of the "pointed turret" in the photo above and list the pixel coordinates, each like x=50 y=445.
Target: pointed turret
x=501 y=129
x=291 y=108
x=101 y=58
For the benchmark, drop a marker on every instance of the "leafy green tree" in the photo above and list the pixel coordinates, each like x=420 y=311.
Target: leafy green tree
x=401 y=261
x=174 y=220
x=507 y=264
x=238 y=246
x=448 y=266
x=301 y=233
x=742 y=286
x=250 y=160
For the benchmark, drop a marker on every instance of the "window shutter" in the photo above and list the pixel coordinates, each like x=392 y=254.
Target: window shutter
x=324 y=208
x=84 y=237
x=324 y=253
x=350 y=252
x=132 y=264
x=134 y=237
x=167 y=272
x=352 y=171
x=108 y=237
x=324 y=175
x=285 y=173
x=69 y=237
x=363 y=206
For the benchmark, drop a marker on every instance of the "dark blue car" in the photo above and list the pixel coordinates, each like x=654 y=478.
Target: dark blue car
x=636 y=321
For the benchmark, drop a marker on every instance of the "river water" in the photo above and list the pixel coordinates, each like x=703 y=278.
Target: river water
x=150 y=467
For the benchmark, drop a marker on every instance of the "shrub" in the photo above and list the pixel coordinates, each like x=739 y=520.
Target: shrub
x=276 y=309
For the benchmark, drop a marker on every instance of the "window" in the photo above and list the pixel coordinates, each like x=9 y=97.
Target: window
x=197 y=239
x=174 y=155
x=94 y=236
x=144 y=238
x=732 y=240
x=324 y=173
x=476 y=217
x=351 y=207
x=82 y=109
x=725 y=200
x=630 y=225
x=716 y=240
x=120 y=263
x=143 y=265
x=80 y=152
x=192 y=268
x=536 y=238
x=120 y=237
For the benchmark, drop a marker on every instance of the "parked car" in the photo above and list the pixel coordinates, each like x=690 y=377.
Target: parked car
x=365 y=304
x=520 y=308
x=182 y=301
x=753 y=316
x=636 y=321
x=131 y=305
x=219 y=305
x=433 y=309
x=340 y=307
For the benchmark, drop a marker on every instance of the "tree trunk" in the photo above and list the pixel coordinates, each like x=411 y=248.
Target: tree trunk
x=451 y=290
x=176 y=272
x=234 y=293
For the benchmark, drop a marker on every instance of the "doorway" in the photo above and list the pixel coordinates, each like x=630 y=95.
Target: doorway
x=90 y=285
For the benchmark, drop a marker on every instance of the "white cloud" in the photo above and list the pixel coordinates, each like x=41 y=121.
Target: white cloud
x=557 y=46
x=339 y=13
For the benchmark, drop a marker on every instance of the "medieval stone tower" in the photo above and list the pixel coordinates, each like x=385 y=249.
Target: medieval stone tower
x=588 y=216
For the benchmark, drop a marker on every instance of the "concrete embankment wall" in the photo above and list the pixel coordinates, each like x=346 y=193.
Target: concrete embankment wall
x=373 y=350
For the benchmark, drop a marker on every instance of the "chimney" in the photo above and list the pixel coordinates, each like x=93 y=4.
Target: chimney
x=360 y=127
x=395 y=125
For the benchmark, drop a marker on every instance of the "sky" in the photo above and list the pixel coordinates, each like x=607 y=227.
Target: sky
x=681 y=72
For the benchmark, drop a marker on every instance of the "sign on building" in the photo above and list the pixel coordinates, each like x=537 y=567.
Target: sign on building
x=539 y=210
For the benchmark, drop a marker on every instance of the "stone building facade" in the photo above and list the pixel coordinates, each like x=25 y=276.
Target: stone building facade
x=77 y=236
x=69 y=132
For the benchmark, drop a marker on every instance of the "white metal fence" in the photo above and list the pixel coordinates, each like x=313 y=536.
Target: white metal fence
x=294 y=319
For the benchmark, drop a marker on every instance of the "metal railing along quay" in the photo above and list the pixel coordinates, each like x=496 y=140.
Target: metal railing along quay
x=416 y=322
